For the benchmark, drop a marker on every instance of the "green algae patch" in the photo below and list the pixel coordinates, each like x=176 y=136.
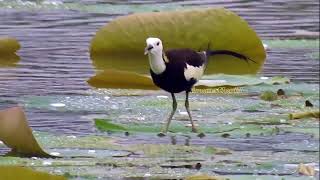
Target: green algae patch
x=268 y=96
x=15 y=172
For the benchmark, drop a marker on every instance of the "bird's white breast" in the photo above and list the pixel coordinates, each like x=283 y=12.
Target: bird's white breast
x=193 y=72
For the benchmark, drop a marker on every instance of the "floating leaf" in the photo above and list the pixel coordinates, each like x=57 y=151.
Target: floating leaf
x=16 y=134
x=104 y=125
x=306 y=170
x=15 y=172
x=204 y=176
x=8 y=45
x=120 y=43
x=111 y=78
x=224 y=80
x=300 y=115
x=8 y=48
x=9 y=60
x=121 y=79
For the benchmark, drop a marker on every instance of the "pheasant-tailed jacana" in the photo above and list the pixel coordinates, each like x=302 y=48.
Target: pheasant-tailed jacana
x=177 y=70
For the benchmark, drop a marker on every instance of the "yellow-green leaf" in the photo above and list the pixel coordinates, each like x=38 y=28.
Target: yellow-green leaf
x=9 y=60
x=8 y=45
x=15 y=173
x=111 y=78
x=120 y=43
x=16 y=133
x=8 y=48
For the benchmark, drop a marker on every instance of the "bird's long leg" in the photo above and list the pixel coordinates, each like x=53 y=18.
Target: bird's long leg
x=174 y=107
x=188 y=110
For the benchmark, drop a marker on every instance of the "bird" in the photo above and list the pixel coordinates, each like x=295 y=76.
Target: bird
x=178 y=70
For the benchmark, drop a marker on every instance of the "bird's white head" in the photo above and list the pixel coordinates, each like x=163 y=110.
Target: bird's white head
x=154 y=46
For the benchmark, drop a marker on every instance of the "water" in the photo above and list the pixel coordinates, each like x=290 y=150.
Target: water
x=55 y=38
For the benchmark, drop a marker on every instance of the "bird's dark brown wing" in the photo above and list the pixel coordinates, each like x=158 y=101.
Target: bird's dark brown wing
x=186 y=56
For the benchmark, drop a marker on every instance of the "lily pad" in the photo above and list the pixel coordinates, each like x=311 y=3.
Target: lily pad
x=106 y=125
x=121 y=79
x=16 y=134
x=8 y=48
x=111 y=78
x=120 y=43
x=9 y=60
x=8 y=45
x=15 y=172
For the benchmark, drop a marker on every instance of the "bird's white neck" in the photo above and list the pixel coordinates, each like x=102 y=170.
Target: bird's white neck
x=157 y=64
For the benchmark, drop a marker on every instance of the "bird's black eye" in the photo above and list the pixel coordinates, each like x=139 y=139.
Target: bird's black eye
x=158 y=43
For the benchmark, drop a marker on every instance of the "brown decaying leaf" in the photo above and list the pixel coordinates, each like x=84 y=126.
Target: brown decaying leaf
x=16 y=134
x=300 y=115
x=306 y=170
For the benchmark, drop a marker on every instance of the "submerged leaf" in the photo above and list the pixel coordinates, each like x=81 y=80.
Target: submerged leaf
x=16 y=134
x=120 y=43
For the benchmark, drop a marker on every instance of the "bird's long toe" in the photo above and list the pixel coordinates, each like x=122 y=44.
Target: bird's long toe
x=161 y=134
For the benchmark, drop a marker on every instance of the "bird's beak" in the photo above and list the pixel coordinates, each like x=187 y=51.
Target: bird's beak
x=147 y=49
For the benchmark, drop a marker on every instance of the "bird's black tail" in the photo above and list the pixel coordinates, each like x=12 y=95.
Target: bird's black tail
x=229 y=53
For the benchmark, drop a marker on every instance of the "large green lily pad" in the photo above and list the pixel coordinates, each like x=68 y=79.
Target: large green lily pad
x=120 y=43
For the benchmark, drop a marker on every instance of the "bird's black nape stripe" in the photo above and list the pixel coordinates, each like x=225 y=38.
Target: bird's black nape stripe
x=230 y=53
